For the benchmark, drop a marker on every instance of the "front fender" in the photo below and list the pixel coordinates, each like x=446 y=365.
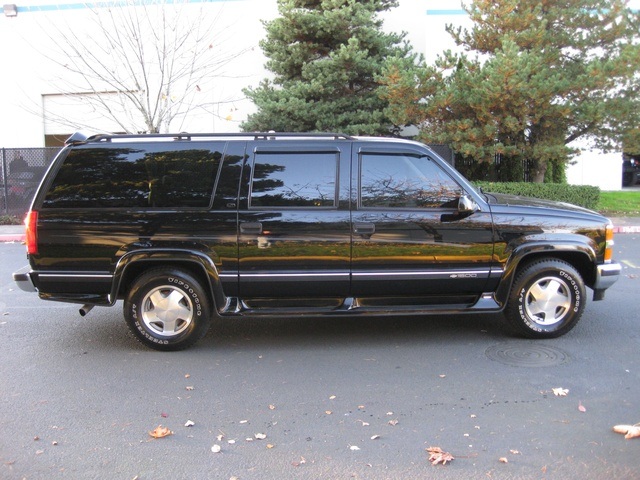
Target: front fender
x=563 y=246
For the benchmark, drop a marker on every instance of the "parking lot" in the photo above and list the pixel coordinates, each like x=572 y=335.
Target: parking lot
x=336 y=398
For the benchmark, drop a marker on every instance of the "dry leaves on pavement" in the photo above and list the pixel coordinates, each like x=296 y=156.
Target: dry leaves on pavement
x=437 y=455
x=629 y=431
x=160 y=432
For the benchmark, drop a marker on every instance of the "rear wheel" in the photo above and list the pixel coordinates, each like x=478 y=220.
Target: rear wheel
x=546 y=300
x=167 y=309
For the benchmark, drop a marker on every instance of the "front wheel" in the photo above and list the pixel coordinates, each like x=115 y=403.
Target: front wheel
x=167 y=309
x=546 y=300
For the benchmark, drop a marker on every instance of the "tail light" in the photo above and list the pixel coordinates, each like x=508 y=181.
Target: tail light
x=31 y=231
x=608 y=246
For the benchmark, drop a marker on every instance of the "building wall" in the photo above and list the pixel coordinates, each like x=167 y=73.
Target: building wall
x=29 y=87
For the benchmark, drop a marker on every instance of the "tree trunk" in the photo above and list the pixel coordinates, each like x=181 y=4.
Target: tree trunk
x=538 y=171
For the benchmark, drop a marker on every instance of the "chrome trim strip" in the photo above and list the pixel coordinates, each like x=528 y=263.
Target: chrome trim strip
x=73 y=275
x=292 y=275
x=448 y=273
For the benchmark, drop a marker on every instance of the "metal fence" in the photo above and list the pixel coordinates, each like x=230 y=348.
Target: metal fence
x=21 y=171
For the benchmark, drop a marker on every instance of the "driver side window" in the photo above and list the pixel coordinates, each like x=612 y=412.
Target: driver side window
x=405 y=181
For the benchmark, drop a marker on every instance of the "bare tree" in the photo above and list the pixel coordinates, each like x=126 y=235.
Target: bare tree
x=142 y=64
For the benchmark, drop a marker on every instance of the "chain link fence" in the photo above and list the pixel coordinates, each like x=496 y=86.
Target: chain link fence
x=21 y=171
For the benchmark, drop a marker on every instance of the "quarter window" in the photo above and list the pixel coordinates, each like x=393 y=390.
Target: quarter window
x=294 y=180
x=405 y=181
x=136 y=176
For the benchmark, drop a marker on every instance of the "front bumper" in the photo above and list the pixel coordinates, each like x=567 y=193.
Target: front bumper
x=23 y=279
x=606 y=275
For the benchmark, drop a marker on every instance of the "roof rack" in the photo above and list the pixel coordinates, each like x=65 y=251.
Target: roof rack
x=80 y=138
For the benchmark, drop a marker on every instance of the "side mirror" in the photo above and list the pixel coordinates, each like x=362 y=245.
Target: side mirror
x=466 y=205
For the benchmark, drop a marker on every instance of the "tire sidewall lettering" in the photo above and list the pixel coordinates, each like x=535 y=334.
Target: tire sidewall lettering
x=575 y=298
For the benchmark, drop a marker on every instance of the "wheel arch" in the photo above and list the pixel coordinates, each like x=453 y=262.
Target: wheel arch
x=579 y=255
x=132 y=265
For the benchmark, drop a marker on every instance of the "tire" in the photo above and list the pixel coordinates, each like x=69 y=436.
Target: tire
x=547 y=299
x=167 y=309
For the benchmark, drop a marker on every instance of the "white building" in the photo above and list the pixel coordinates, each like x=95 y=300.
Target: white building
x=30 y=90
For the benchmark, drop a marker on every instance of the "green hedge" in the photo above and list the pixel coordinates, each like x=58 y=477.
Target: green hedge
x=583 y=195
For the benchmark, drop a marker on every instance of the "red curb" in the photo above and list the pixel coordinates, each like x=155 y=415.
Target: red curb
x=626 y=229
x=11 y=238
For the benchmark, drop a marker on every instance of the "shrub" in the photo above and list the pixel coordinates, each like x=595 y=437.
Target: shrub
x=9 y=220
x=582 y=195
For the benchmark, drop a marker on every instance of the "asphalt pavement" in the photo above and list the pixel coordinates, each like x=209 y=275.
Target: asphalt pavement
x=337 y=398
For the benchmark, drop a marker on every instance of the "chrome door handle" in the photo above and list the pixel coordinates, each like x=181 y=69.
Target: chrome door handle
x=251 y=228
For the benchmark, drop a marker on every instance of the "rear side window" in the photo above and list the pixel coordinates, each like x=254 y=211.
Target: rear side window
x=303 y=179
x=136 y=176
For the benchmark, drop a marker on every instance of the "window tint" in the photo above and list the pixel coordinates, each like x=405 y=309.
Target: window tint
x=142 y=175
x=294 y=180
x=404 y=181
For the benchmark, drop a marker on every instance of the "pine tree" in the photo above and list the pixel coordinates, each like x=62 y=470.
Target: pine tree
x=532 y=77
x=325 y=56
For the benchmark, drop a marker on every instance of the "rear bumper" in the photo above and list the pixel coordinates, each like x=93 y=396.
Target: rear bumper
x=23 y=279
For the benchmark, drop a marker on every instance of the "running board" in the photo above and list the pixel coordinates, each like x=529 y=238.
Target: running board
x=353 y=305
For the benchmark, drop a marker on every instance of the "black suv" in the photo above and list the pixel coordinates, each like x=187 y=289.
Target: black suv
x=184 y=226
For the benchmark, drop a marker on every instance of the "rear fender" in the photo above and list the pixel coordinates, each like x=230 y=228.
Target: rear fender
x=170 y=257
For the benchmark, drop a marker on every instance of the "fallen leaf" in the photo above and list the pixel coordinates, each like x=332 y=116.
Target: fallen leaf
x=164 y=415
x=629 y=431
x=581 y=407
x=270 y=446
x=160 y=432
x=437 y=455
x=560 y=392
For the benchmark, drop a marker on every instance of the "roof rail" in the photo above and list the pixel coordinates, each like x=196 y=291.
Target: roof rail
x=80 y=138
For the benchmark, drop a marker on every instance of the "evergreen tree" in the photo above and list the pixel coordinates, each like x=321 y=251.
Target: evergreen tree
x=532 y=77
x=326 y=56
